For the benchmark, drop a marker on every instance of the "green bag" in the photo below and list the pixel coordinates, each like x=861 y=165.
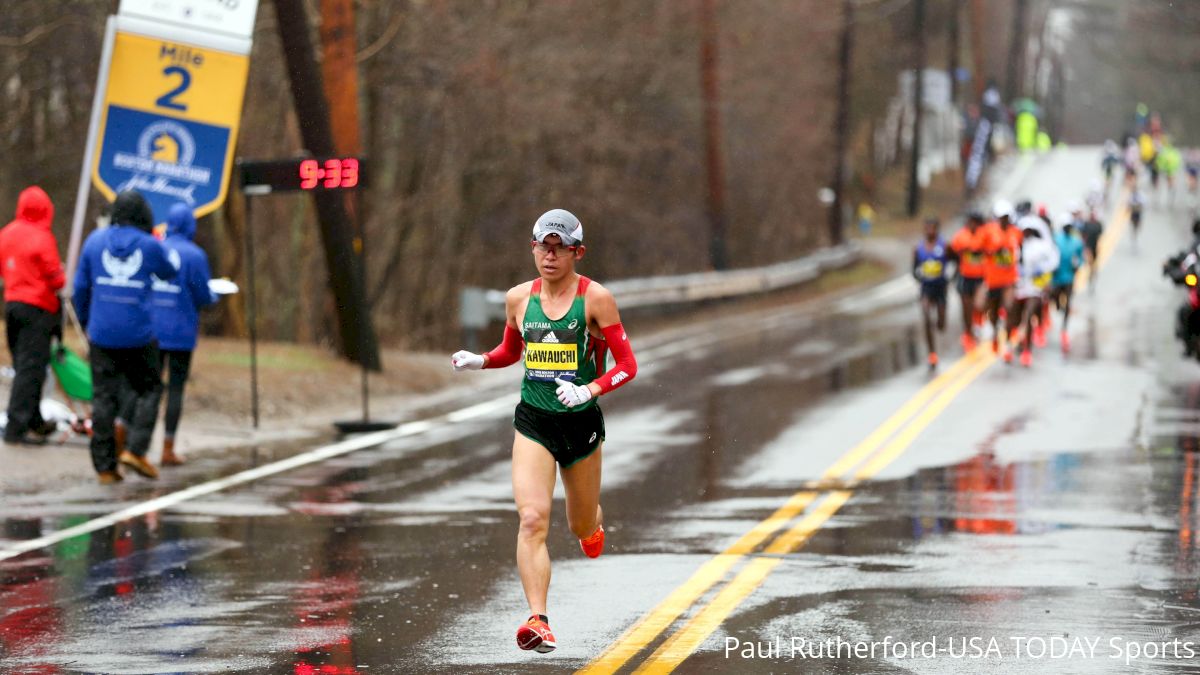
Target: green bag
x=73 y=373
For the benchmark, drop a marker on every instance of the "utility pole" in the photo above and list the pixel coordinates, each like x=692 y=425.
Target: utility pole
x=356 y=333
x=339 y=78
x=978 y=62
x=914 y=183
x=718 y=254
x=1015 y=85
x=837 y=233
x=339 y=73
x=955 y=47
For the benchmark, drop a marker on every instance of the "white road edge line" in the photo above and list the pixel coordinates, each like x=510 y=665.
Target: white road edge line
x=887 y=289
x=311 y=457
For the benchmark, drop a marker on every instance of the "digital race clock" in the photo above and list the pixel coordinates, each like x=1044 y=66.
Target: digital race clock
x=303 y=174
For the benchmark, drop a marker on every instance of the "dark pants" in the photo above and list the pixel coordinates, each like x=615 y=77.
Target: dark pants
x=178 y=365
x=28 y=329
x=112 y=369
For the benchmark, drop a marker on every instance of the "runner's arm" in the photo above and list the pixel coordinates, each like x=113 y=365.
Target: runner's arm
x=509 y=350
x=604 y=315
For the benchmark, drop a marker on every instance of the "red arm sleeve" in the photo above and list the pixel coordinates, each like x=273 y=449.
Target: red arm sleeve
x=625 y=367
x=507 y=352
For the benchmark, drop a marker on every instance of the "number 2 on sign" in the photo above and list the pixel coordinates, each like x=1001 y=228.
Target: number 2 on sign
x=167 y=100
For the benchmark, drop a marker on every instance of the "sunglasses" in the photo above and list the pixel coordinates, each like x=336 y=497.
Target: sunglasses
x=558 y=249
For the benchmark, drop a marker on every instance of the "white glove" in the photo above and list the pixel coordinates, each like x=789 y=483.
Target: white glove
x=465 y=360
x=571 y=394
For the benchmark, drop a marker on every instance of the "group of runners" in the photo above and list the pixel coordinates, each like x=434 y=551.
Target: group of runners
x=562 y=326
x=1149 y=151
x=1010 y=269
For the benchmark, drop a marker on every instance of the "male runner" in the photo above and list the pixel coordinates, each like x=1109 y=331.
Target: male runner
x=929 y=267
x=967 y=247
x=1062 y=286
x=1112 y=157
x=1039 y=221
x=1002 y=249
x=1136 y=202
x=566 y=324
x=1038 y=260
x=1192 y=165
x=1091 y=229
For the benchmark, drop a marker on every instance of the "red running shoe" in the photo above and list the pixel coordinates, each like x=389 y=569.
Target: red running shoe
x=535 y=634
x=593 y=546
x=1039 y=336
x=1065 y=341
x=968 y=343
x=1027 y=358
x=996 y=345
x=933 y=360
x=1007 y=355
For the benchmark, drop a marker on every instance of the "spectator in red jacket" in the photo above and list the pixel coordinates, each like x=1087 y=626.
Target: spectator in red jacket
x=32 y=275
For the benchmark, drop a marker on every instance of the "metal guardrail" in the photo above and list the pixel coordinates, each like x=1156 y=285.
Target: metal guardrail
x=478 y=307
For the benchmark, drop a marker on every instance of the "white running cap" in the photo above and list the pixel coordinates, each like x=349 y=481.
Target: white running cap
x=560 y=222
x=1001 y=208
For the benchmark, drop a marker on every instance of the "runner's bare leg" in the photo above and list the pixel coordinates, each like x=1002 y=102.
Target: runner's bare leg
x=927 y=320
x=581 y=482
x=533 y=475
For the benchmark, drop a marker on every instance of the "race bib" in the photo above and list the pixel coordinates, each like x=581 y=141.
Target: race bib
x=1041 y=280
x=973 y=258
x=931 y=269
x=1003 y=258
x=551 y=353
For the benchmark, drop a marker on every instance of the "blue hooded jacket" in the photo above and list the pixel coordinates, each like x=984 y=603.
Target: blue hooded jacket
x=177 y=303
x=112 y=285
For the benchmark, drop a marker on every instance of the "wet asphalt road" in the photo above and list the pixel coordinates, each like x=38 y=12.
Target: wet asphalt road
x=1017 y=520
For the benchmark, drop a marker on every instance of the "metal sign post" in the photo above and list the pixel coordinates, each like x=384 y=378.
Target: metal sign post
x=251 y=299
x=302 y=174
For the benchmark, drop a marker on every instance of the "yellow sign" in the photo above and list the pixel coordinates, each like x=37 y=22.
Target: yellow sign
x=169 y=122
x=551 y=357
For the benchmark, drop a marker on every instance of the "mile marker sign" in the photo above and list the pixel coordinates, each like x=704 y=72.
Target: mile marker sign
x=169 y=115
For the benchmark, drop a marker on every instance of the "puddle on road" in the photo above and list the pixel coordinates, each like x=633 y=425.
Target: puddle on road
x=303 y=568
x=1098 y=544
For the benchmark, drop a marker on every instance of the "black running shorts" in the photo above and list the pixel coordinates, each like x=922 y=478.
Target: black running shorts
x=935 y=292
x=967 y=285
x=569 y=436
x=1061 y=293
x=995 y=296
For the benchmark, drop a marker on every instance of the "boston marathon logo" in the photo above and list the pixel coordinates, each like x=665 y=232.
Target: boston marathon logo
x=165 y=152
x=166 y=286
x=120 y=269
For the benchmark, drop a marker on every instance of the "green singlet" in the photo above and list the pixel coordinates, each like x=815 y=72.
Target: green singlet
x=558 y=348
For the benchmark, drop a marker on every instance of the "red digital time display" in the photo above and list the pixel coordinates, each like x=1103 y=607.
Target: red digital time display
x=330 y=174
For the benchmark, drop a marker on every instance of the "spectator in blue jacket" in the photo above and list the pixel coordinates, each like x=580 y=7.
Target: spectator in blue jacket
x=176 y=316
x=112 y=300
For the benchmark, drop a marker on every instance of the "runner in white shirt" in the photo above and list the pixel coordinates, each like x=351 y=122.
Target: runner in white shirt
x=1041 y=322
x=1039 y=259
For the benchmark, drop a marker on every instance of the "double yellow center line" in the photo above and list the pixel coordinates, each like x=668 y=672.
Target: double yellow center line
x=825 y=497
x=861 y=462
